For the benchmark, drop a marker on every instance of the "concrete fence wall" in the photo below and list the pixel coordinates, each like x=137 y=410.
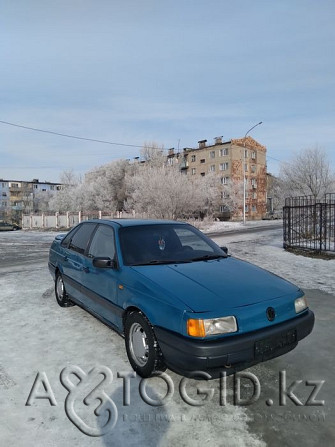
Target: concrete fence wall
x=67 y=220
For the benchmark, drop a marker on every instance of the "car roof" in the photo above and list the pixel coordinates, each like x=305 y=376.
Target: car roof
x=134 y=222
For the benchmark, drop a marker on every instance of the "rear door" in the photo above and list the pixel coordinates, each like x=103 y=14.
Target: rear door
x=74 y=260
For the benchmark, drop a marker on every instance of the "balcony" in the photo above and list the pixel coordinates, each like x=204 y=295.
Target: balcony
x=183 y=165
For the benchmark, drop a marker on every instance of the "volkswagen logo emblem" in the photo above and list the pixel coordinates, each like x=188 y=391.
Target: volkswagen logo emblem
x=270 y=313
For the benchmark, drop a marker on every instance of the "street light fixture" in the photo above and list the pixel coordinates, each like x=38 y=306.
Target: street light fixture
x=243 y=168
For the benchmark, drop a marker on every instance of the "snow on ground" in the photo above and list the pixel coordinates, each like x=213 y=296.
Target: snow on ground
x=215 y=227
x=37 y=335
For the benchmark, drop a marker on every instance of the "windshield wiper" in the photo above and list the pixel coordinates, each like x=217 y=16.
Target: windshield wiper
x=208 y=257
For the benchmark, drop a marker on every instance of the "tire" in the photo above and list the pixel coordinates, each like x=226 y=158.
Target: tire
x=60 y=292
x=142 y=347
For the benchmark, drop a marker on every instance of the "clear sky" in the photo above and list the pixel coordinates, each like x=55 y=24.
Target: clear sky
x=172 y=71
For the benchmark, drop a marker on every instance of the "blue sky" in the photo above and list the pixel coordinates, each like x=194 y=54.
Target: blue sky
x=173 y=72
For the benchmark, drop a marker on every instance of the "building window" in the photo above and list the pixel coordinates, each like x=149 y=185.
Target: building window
x=4 y=194
x=245 y=167
x=253 y=169
x=245 y=153
x=253 y=208
x=193 y=157
x=35 y=186
x=212 y=154
x=202 y=174
x=193 y=171
x=253 y=183
x=202 y=160
x=52 y=188
x=224 y=180
x=212 y=168
x=224 y=195
x=253 y=155
x=223 y=166
x=246 y=208
x=223 y=152
x=254 y=195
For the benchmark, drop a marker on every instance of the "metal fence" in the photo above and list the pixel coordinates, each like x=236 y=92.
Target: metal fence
x=310 y=224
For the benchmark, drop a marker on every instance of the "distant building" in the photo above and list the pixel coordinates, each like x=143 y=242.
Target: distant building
x=18 y=196
x=230 y=160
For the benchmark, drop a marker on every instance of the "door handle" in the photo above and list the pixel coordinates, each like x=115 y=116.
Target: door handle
x=86 y=269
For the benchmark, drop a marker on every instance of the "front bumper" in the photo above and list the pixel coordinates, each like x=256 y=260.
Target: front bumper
x=233 y=353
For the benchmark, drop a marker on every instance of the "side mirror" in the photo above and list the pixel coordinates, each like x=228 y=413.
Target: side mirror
x=104 y=263
x=225 y=249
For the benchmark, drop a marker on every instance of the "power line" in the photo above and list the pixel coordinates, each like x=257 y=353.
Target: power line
x=74 y=136
x=94 y=140
x=273 y=158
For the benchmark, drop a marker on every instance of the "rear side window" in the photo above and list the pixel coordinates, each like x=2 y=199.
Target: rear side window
x=81 y=238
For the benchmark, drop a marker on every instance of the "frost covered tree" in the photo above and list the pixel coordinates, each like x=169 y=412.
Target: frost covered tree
x=107 y=185
x=153 y=153
x=308 y=173
x=232 y=196
x=65 y=200
x=163 y=192
x=103 y=188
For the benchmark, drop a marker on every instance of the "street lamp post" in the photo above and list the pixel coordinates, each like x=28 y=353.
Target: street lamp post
x=243 y=168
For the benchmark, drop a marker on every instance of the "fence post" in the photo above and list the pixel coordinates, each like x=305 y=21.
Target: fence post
x=320 y=227
x=67 y=220
x=57 y=221
x=79 y=216
x=100 y=215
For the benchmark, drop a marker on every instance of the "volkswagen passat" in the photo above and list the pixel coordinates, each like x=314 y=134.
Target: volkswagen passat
x=179 y=300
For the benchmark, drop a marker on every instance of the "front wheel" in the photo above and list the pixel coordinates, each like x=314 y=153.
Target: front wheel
x=142 y=348
x=60 y=292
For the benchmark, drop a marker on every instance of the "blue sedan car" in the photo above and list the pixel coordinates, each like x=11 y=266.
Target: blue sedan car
x=179 y=300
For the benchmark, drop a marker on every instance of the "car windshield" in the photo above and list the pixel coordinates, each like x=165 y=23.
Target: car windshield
x=166 y=244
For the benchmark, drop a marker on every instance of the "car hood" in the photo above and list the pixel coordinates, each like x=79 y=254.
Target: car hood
x=223 y=283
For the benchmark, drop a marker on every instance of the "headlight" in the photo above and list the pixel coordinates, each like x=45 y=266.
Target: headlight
x=300 y=304
x=211 y=326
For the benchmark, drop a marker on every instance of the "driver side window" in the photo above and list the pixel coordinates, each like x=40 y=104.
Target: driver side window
x=102 y=244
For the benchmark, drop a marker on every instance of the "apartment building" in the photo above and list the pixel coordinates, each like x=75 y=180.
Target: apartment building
x=230 y=161
x=18 y=196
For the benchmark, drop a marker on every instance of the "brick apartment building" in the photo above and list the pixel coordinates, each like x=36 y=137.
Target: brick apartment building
x=230 y=160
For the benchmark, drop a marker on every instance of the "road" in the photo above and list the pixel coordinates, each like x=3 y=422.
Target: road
x=249 y=230
x=37 y=336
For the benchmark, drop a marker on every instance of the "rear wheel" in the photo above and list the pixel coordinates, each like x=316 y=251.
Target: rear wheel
x=142 y=347
x=60 y=292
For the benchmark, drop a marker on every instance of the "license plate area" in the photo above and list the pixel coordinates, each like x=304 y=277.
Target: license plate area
x=270 y=345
